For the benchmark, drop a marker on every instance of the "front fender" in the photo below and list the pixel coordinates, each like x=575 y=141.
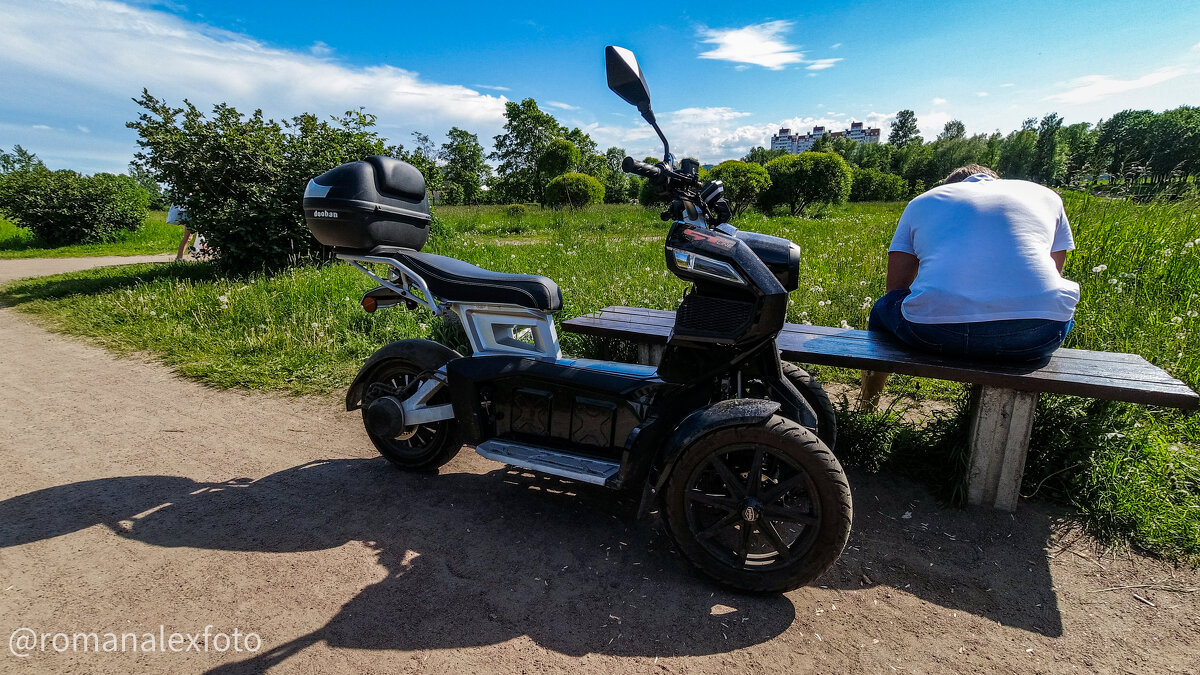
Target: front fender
x=421 y=351
x=728 y=413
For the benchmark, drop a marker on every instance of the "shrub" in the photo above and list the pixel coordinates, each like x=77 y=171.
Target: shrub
x=807 y=178
x=242 y=178
x=64 y=207
x=873 y=185
x=744 y=182
x=559 y=157
x=648 y=196
x=574 y=190
x=515 y=210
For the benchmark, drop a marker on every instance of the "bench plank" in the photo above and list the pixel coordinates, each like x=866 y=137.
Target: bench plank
x=1119 y=377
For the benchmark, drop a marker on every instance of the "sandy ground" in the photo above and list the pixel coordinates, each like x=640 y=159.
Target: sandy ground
x=132 y=499
x=37 y=267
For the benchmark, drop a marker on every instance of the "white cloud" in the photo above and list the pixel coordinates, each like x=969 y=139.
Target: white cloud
x=562 y=106
x=939 y=101
x=821 y=64
x=320 y=49
x=1196 y=47
x=83 y=129
x=759 y=44
x=42 y=127
x=981 y=94
x=492 y=87
x=835 y=45
x=98 y=54
x=1008 y=84
x=1091 y=88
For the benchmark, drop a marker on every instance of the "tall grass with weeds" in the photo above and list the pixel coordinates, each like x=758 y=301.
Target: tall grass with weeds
x=1132 y=470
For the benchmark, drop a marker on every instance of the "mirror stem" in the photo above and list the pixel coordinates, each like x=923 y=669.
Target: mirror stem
x=648 y=115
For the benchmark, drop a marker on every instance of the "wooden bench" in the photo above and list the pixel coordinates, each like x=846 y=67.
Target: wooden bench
x=1004 y=398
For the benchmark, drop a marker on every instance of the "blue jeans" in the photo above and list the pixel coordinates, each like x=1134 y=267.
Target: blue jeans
x=1010 y=340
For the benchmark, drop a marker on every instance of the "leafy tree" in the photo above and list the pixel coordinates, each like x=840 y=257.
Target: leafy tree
x=464 y=171
x=1174 y=143
x=744 y=182
x=951 y=151
x=19 y=159
x=871 y=185
x=241 y=178
x=1018 y=155
x=911 y=161
x=158 y=197
x=574 y=190
x=953 y=130
x=807 y=178
x=1079 y=140
x=904 y=129
x=423 y=157
x=760 y=155
x=823 y=144
x=64 y=207
x=527 y=132
x=560 y=156
x=1049 y=162
x=616 y=182
x=871 y=156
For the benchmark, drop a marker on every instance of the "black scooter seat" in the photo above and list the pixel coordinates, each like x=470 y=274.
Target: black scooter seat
x=457 y=281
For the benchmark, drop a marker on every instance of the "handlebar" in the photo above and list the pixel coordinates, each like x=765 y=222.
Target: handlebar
x=631 y=165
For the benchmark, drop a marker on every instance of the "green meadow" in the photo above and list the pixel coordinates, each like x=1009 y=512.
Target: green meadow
x=1132 y=471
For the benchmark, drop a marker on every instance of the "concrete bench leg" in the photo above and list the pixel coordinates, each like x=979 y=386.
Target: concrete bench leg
x=1001 y=421
x=650 y=355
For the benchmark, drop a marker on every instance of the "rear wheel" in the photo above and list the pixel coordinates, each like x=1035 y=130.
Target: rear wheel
x=814 y=394
x=419 y=447
x=761 y=508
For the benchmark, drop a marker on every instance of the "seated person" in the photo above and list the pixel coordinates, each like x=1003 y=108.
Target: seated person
x=975 y=270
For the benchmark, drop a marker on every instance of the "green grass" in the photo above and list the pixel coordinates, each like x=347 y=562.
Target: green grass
x=154 y=236
x=1133 y=471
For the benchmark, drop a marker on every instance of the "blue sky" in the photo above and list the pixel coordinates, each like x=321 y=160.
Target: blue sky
x=724 y=76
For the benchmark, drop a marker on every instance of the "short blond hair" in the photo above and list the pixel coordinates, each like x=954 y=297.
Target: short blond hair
x=963 y=172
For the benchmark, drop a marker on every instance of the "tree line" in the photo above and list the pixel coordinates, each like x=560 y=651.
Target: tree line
x=241 y=176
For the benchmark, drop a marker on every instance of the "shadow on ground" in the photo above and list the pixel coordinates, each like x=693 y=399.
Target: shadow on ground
x=480 y=559
x=99 y=280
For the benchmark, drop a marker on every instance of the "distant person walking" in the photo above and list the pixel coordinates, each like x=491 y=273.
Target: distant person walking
x=178 y=216
x=975 y=270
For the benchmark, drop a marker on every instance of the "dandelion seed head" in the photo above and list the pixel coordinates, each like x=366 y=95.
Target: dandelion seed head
x=1099 y=268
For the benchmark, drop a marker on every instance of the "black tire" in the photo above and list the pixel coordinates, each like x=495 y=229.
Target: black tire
x=768 y=533
x=817 y=399
x=423 y=447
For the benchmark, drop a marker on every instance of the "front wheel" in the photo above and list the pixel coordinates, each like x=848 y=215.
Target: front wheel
x=419 y=447
x=760 y=508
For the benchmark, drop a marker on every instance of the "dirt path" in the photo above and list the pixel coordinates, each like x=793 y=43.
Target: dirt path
x=19 y=268
x=132 y=499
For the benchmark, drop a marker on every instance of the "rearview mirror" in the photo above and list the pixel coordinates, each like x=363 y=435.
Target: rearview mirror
x=625 y=77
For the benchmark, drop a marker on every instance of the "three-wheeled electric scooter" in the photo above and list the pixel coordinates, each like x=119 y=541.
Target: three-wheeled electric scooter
x=723 y=439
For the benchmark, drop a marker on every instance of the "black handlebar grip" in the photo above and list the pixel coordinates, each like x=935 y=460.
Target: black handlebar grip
x=631 y=165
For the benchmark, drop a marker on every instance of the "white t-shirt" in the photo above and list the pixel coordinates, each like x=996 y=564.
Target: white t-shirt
x=984 y=248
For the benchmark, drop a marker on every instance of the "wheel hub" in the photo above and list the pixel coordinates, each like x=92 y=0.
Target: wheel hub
x=751 y=510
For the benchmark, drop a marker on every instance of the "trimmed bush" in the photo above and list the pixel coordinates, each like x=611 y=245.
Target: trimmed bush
x=873 y=185
x=807 y=178
x=515 y=210
x=574 y=190
x=744 y=182
x=64 y=207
